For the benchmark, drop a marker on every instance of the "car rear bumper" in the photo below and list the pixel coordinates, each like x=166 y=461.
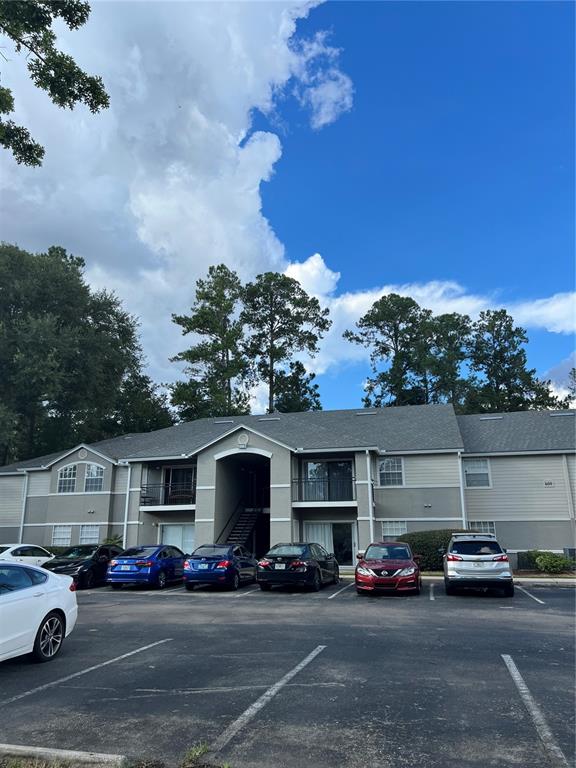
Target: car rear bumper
x=207 y=577
x=130 y=578
x=479 y=582
x=285 y=577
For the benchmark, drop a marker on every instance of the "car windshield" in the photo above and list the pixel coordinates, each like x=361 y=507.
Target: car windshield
x=287 y=550
x=476 y=547
x=138 y=552
x=3 y=549
x=210 y=550
x=83 y=551
x=378 y=552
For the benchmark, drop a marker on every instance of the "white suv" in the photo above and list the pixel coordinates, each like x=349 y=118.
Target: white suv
x=476 y=560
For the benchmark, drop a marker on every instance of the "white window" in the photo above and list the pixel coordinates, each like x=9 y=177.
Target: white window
x=476 y=473
x=61 y=535
x=67 y=479
x=89 y=534
x=482 y=526
x=391 y=471
x=392 y=528
x=94 y=479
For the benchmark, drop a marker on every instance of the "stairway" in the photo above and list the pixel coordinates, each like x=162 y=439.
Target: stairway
x=243 y=527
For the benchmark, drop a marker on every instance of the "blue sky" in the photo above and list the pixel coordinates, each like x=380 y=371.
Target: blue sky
x=418 y=147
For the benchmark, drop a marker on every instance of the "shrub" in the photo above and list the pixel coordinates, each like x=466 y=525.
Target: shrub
x=550 y=562
x=427 y=543
x=527 y=560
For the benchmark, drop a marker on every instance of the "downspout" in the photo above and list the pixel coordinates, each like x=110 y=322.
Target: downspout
x=462 y=497
x=370 y=499
x=569 y=498
x=127 y=507
x=24 y=497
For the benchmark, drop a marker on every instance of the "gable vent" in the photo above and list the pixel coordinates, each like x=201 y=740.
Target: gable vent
x=366 y=413
x=491 y=418
x=225 y=421
x=270 y=418
x=565 y=413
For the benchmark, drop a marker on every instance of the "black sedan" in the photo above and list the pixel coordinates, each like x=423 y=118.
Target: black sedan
x=298 y=564
x=86 y=563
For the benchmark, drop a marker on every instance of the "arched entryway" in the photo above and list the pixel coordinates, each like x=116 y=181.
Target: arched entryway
x=242 y=500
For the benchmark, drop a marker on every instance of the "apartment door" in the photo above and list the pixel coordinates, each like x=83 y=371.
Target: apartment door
x=178 y=535
x=339 y=538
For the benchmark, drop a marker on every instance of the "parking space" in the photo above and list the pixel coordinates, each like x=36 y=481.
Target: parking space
x=398 y=681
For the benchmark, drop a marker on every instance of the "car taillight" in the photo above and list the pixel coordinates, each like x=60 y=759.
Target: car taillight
x=263 y=563
x=224 y=564
x=72 y=587
x=453 y=557
x=113 y=562
x=144 y=563
x=297 y=564
x=501 y=558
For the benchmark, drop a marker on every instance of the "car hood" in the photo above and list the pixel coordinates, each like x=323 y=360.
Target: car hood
x=389 y=565
x=63 y=563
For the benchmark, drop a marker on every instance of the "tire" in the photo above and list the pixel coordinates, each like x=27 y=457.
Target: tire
x=509 y=590
x=449 y=588
x=336 y=579
x=316 y=585
x=360 y=591
x=88 y=580
x=265 y=587
x=49 y=637
x=418 y=589
x=188 y=587
x=235 y=583
x=116 y=586
x=161 y=580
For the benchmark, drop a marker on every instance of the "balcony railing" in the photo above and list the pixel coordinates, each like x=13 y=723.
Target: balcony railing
x=324 y=489
x=167 y=494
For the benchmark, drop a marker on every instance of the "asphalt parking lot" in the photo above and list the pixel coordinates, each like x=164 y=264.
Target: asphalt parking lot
x=291 y=678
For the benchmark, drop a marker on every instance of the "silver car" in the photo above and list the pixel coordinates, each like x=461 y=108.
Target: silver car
x=476 y=560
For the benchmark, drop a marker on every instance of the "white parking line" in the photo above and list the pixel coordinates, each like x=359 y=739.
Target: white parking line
x=341 y=590
x=260 y=703
x=248 y=592
x=32 y=691
x=557 y=757
x=529 y=595
x=432 y=592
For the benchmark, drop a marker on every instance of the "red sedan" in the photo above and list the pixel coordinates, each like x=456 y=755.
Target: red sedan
x=388 y=566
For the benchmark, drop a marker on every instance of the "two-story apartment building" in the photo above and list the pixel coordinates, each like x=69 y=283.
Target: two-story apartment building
x=340 y=478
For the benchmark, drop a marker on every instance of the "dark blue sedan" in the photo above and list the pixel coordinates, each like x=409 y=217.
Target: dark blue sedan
x=226 y=565
x=153 y=565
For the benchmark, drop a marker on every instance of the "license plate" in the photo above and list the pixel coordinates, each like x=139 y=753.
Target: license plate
x=125 y=567
x=478 y=565
x=280 y=567
x=203 y=566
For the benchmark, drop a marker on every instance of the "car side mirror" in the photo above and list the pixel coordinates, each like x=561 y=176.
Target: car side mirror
x=103 y=559
x=359 y=555
x=416 y=558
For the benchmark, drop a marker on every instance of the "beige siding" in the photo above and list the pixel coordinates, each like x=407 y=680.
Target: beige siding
x=39 y=483
x=427 y=470
x=11 y=498
x=523 y=488
x=571 y=461
x=120 y=479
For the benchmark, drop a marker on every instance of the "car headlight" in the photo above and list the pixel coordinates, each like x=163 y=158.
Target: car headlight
x=364 y=571
x=407 y=572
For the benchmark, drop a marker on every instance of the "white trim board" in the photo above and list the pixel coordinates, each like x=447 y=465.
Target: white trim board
x=414 y=487
x=168 y=508
x=323 y=504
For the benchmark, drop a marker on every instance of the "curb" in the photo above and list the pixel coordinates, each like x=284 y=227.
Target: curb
x=532 y=581
x=87 y=758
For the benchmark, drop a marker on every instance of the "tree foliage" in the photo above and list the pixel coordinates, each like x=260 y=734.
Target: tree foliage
x=296 y=390
x=419 y=358
x=282 y=319
x=70 y=359
x=217 y=368
x=28 y=23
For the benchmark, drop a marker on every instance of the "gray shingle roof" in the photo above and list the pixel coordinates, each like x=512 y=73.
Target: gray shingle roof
x=521 y=431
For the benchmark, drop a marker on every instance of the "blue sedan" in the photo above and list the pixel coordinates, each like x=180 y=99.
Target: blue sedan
x=226 y=565
x=153 y=565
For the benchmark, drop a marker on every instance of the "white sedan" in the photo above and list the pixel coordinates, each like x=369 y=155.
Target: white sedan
x=38 y=610
x=31 y=554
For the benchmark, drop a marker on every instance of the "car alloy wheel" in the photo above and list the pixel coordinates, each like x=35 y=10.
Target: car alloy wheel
x=317 y=582
x=336 y=579
x=161 y=580
x=49 y=637
x=88 y=581
x=235 y=583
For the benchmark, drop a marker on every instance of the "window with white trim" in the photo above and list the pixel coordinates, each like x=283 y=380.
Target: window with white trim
x=391 y=471
x=482 y=526
x=476 y=473
x=89 y=534
x=67 y=479
x=391 y=528
x=94 y=480
x=61 y=535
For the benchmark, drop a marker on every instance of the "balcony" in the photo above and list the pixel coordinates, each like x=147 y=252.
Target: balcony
x=324 y=489
x=168 y=494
